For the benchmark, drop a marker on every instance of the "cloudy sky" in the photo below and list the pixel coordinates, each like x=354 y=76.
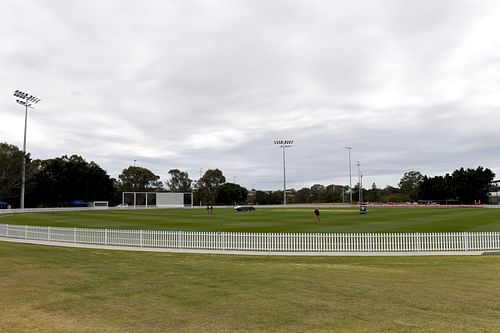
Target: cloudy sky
x=197 y=85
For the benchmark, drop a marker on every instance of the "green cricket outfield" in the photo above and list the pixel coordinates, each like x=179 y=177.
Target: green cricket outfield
x=274 y=220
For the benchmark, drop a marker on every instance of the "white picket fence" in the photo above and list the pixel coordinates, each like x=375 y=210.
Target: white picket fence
x=263 y=242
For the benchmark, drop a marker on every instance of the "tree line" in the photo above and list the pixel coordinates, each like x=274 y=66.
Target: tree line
x=58 y=181
x=463 y=186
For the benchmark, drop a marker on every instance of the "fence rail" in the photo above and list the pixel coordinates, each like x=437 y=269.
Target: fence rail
x=263 y=242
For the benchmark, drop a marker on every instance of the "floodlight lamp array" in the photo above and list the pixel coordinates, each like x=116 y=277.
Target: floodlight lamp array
x=284 y=143
x=26 y=98
x=23 y=103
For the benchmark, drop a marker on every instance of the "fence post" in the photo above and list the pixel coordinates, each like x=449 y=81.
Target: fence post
x=140 y=238
x=74 y=235
x=48 y=233
x=106 y=236
x=25 y=232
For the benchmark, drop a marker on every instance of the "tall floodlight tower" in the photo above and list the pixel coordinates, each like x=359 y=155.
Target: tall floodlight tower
x=284 y=144
x=361 y=188
x=350 y=175
x=27 y=101
x=360 y=182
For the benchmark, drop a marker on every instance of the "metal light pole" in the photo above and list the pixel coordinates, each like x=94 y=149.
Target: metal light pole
x=27 y=101
x=350 y=175
x=361 y=188
x=284 y=144
x=360 y=182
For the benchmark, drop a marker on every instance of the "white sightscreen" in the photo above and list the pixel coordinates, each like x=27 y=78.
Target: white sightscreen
x=170 y=199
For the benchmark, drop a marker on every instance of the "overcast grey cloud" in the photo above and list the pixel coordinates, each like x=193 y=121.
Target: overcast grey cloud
x=410 y=85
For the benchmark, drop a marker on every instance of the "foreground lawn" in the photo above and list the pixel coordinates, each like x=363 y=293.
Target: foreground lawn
x=273 y=220
x=49 y=289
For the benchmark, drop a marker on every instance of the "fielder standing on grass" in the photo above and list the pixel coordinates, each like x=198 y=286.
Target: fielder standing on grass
x=316 y=214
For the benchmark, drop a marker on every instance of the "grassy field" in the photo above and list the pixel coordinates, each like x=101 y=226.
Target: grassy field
x=48 y=289
x=274 y=220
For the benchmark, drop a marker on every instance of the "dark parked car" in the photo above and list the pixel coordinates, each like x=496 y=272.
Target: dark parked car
x=244 y=208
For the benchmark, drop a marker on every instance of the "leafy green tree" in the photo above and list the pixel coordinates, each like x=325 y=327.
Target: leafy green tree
x=392 y=194
x=209 y=184
x=10 y=170
x=318 y=193
x=277 y=197
x=471 y=186
x=10 y=173
x=437 y=188
x=179 y=181
x=138 y=179
x=333 y=193
x=263 y=197
x=303 y=195
x=63 y=179
x=466 y=186
x=410 y=184
x=274 y=197
x=230 y=193
x=373 y=194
